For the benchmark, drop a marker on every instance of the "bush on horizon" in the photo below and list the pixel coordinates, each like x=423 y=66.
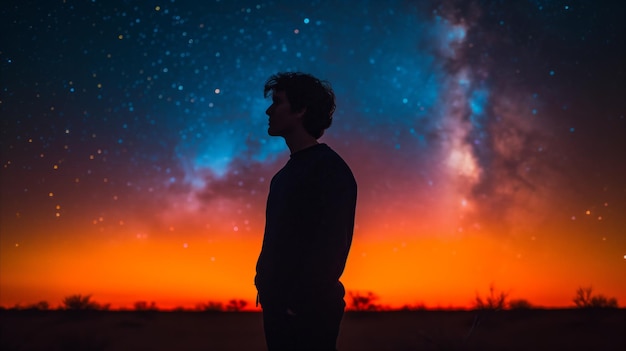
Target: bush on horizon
x=584 y=298
x=82 y=303
x=359 y=302
x=144 y=306
x=495 y=301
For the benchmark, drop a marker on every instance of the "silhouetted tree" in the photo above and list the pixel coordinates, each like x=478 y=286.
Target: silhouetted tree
x=494 y=301
x=585 y=299
x=236 y=305
x=145 y=306
x=360 y=302
x=80 y=303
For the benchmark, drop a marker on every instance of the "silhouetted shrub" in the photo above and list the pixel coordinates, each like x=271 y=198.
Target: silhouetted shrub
x=520 y=304
x=236 y=305
x=418 y=307
x=603 y=302
x=143 y=306
x=360 y=302
x=494 y=301
x=210 y=306
x=39 y=306
x=80 y=303
x=585 y=299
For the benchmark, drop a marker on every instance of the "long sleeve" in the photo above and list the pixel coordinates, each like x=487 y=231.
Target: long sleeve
x=326 y=238
x=308 y=233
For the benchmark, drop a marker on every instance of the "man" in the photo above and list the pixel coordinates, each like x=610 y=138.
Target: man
x=309 y=221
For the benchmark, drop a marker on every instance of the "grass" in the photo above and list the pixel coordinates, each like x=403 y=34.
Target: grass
x=571 y=329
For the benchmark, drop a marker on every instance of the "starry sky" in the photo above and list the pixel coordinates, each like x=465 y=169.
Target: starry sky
x=486 y=137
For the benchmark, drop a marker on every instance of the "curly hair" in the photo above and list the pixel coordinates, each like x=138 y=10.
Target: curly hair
x=304 y=91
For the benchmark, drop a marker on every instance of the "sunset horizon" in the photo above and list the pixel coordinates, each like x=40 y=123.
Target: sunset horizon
x=195 y=272
x=486 y=139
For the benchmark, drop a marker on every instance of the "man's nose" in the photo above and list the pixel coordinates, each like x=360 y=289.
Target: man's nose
x=267 y=112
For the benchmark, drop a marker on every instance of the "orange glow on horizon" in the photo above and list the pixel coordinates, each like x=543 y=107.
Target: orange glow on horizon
x=442 y=272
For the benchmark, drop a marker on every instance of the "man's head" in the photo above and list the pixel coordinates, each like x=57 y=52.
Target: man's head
x=305 y=94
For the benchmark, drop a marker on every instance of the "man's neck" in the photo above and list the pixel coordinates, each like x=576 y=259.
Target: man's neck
x=297 y=144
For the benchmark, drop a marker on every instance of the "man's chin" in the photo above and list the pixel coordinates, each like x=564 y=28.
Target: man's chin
x=272 y=132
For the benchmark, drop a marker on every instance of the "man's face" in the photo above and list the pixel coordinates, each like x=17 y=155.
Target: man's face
x=282 y=121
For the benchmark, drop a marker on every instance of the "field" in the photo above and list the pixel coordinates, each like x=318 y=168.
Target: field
x=569 y=329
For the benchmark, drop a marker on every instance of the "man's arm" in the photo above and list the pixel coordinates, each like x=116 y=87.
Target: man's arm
x=325 y=239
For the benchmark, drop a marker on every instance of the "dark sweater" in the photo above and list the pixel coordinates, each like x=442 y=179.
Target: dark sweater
x=308 y=231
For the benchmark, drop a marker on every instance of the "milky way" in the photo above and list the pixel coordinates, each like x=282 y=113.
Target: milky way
x=126 y=121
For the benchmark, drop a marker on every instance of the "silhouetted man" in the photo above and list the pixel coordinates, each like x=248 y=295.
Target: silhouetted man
x=309 y=221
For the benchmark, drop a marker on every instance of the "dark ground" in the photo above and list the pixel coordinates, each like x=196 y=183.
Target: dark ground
x=573 y=329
